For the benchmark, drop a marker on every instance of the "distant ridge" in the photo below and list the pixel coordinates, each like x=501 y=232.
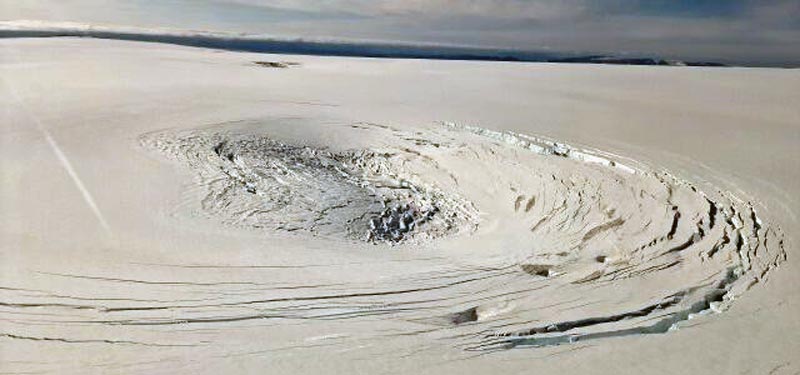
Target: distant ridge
x=600 y=59
x=264 y=44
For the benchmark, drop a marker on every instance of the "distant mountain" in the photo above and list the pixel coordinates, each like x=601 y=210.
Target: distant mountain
x=320 y=47
x=599 y=59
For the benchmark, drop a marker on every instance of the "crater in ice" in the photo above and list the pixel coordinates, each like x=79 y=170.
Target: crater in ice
x=545 y=243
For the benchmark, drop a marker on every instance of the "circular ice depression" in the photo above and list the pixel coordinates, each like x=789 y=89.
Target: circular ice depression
x=258 y=182
x=559 y=244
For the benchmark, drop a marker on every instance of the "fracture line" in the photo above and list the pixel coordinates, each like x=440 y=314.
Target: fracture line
x=62 y=158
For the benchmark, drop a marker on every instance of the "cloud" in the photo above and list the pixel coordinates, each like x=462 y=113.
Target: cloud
x=490 y=8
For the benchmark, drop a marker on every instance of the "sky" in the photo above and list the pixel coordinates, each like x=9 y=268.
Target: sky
x=750 y=32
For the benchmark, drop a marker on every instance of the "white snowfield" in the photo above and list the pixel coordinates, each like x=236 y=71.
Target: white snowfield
x=180 y=210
